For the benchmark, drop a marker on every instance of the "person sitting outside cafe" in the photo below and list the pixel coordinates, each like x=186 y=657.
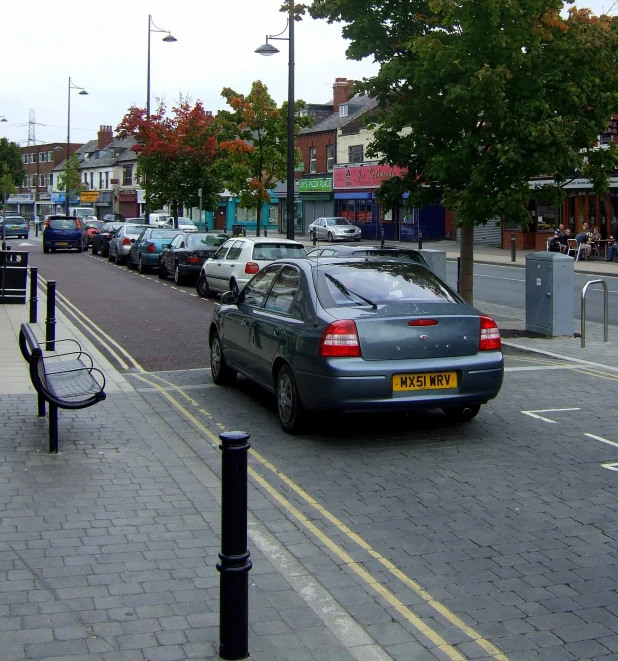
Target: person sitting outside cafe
x=554 y=244
x=583 y=239
x=612 y=250
x=564 y=240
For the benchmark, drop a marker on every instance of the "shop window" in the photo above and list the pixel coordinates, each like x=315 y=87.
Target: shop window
x=313 y=161
x=355 y=154
x=330 y=157
x=363 y=211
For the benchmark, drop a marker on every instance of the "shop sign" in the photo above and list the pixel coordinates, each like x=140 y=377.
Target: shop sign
x=89 y=196
x=578 y=183
x=44 y=196
x=20 y=198
x=141 y=196
x=127 y=195
x=323 y=185
x=364 y=176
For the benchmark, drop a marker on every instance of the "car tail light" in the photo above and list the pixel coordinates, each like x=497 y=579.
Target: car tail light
x=490 y=335
x=423 y=322
x=252 y=268
x=193 y=259
x=151 y=248
x=126 y=241
x=340 y=339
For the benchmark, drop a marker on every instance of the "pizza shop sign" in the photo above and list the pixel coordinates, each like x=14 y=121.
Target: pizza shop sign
x=364 y=176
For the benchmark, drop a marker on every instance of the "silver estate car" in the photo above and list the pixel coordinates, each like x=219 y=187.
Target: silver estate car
x=356 y=335
x=120 y=243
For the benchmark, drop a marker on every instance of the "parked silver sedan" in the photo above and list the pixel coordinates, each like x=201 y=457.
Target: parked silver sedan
x=356 y=335
x=120 y=243
x=334 y=229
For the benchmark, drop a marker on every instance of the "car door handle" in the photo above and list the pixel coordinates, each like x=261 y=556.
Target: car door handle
x=278 y=331
x=246 y=322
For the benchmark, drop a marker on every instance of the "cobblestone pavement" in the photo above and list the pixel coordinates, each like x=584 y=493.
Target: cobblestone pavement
x=371 y=537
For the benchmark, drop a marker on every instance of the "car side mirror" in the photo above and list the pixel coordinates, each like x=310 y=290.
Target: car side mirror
x=132 y=240
x=229 y=298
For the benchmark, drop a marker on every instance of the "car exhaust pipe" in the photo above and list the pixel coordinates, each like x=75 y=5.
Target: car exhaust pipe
x=466 y=412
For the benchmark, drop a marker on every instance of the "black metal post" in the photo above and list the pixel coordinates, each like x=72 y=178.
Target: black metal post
x=244 y=231
x=34 y=276
x=458 y=273
x=315 y=238
x=513 y=258
x=382 y=236
x=420 y=239
x=234 y=562
x=53 y=429
x=50 y=322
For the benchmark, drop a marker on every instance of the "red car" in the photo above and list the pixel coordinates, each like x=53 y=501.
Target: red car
x=91 y=228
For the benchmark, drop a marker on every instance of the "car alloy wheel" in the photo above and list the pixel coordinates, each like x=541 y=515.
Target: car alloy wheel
x=330 y=237
x=141 y=267
x=202 y=288
x=178 y=277
x=221 y=374
x=289 y=406
x=118 y=259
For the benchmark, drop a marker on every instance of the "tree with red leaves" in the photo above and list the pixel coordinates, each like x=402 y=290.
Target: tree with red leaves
x=178 y=155
x=254 y=136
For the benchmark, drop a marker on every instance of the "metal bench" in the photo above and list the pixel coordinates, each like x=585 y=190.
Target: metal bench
x=63 y=380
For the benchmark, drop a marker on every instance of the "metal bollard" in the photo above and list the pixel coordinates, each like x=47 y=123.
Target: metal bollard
x=420 y=239
x=34 y=288
x=513 y=247
x=234 y=562
x=382 y=236
x=266 y=230
x=50 y=322
x=315 y=238
x=244 y=231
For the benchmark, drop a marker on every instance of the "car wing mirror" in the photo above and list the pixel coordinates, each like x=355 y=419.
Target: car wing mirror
x=229 y=298
x=132 y=240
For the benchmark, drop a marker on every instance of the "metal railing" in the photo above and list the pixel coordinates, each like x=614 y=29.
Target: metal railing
x=605 y=311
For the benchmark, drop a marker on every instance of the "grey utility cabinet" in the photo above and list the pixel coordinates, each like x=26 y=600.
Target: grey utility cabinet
x=550 y=307
x=436 y=260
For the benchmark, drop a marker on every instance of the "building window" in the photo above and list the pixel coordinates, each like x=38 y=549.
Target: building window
x=112 y=153
x=32 y=180
x=313 y=161
x=26 y=180
x=107 y=180
x=330 y=157
x=51 y=179
x=42 y=182
x=42 y=157
x=50 y=156
x=33 y=157
x=24 y=158
x=127 y=175
x=86 y=178
x=343 y=110
x=100 y=180
x=355 y=154
x=91 y=180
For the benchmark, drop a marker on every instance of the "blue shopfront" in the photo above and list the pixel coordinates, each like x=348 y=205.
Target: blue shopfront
x=355 y=188
x=229 y=213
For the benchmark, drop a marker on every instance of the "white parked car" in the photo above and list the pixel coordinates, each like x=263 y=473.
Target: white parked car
x=184 y=224
x=334 y=229
x=239 y=259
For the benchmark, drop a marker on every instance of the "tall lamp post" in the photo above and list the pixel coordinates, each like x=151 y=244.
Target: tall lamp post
x=82 y=91
x=169 y=38
x=268 y=49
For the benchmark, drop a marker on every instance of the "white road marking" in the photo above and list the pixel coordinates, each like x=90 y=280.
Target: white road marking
x=611 y=467
x=543 y=352
x=601 y=439
x=533 y=414
x=497 y=277
x=532 y=368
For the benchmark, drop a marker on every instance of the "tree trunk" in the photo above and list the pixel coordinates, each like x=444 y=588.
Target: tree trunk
x=466 y=276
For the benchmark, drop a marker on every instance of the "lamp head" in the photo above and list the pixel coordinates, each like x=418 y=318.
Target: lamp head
x=83 y=92
x=170 y=38
x=267 y=49
x=4 y=119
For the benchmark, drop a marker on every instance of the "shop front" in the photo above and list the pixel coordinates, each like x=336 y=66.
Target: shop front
x=127 y=203
x=104 y=203
x=21 y=204
x=317 y=197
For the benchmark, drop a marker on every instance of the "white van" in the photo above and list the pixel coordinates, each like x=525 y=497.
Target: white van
x=84 y=213
x=158 y=218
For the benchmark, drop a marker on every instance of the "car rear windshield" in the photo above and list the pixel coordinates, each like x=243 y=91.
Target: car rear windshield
x=271 y=251
x=206 y=240
x=379 y=282
x=163 y=234
x=392 y=254
x=15 y=220
x=63 y=224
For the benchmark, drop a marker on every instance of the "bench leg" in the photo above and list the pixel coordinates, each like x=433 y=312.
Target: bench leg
x=41 y=402
x=53 y=429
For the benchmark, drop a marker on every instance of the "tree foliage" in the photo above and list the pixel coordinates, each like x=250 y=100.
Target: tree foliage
x=478 y=97
x=254 y=132
x=69 y=179
x=178 y=155
x=10 y=156
x=7 y=183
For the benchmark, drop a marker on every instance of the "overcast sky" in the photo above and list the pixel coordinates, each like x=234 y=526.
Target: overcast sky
x=103 y=47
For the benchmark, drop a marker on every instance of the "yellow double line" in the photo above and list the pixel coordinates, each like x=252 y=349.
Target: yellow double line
x=437 y=640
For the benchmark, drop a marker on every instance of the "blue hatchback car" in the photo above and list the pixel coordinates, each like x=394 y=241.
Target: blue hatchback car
x=145 y=250
x=64 y=233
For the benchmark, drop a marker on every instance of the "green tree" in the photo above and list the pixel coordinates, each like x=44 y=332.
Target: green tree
x=479 y=97
x=178 y=155
x=10 y=156
x=7 y=183
x=69 y=179
x=253 y=166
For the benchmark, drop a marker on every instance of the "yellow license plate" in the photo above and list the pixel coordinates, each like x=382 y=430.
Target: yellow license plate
x=432 y=381
x=62 y=243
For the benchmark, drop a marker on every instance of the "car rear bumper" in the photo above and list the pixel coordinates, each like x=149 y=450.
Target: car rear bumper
x=150 y=258
x=354 y=384
x=190 y=269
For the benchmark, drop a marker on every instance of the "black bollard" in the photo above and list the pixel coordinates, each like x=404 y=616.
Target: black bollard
x=50 y=322
x=513 y=245
x=234 y=562
x=381 y=236
x=266 y=230
x=420 y=239
x=244 y=231
x=314 y=238
x=34 y=277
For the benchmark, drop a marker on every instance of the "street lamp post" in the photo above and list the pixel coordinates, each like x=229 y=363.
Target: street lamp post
x=169 y=38
x=268 y=49
x=83 y=92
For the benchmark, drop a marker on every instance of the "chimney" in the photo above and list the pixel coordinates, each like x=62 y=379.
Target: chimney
x=105 y=136
x=342 y=90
